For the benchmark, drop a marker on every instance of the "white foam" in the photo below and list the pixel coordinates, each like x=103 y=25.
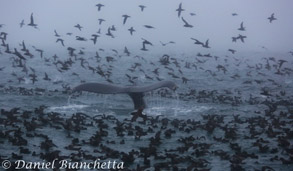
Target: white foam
x=70 y=107
x=176 y=110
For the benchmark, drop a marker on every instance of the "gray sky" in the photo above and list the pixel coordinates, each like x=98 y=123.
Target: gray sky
x=213 y=21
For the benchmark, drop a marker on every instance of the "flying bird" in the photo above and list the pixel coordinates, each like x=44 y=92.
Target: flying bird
x=18 y=54
x=99 y=6
x=56 y=34
x=23 y=46
x=232 y=51
x=141 y=7
x=242 y=28
x=186 y=24
x=21 y=24
x=80 y=38
x=3 y=35
x=148 y=26
x=60 y=40
x=234 y=39
x=125 y=18
x=78 y=26
x=109 y=32
x=179 y=9
x=164 y=44
x=206 y=45
x=113 y=28
x=99 y=31
x=7 y=49
x=241 y=37
x=94 y=39
x=100 y=21
x=272 y=18
x=46 y=77
x=281 y=62
x=145 y=42
x=131 y=30
x=197 y=42
x=32 y=22
x=126 y=51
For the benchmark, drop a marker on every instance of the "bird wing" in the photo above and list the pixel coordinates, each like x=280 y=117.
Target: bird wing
x=184 y=21
x=32 y=19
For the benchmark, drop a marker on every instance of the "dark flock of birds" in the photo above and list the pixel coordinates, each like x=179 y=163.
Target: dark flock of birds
x=261 y=140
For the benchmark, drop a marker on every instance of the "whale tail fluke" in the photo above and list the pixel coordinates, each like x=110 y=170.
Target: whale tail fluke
x=136 y=93
x=138 y=100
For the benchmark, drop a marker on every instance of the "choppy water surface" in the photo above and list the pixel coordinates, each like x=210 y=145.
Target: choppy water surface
x=232 y=110
x=227 y=118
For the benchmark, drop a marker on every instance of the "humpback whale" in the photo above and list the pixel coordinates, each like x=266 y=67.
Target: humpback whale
x=135 y=92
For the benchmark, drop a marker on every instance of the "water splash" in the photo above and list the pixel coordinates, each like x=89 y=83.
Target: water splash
x=177 y=104
x=69 y=99
x=67 y=108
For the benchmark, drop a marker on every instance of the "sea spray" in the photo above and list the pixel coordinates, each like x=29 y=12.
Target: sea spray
x=69 y=100
x=177 y=103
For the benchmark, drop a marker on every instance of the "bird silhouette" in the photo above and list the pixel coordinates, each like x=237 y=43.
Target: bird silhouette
x=272 y=18
x=281 y=62
x=241 y=37
x=179 y=9
x=60 y=40
x=23 y=46
x=3 y=35
x=197 y=42
x=186 y=24
x=109 y=32
x=232 y=51
x=80 y=38
x=126 y=51
x=21 y=24
x=142 y=7
x=46 y=77
x=145 y=42
x=101 y=21
x=164 y=44
x=18 y=54
x=32 y=22
x=78 y=26
x=56 y=34
x=148 y=26
x=125 y=17
x=7 y=49
x=94 y=39
x=131 y=30
x=99 y=6
x=206 y=45
x=113 y=28
x=241 y=27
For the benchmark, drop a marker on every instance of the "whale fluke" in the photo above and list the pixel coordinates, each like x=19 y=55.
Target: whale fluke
x=135 y=92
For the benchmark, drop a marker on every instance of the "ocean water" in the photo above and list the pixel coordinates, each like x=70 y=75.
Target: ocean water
x=244 y=91
x=232 y=109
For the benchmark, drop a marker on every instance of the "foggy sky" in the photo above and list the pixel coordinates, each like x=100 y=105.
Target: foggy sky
x=213 y=21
